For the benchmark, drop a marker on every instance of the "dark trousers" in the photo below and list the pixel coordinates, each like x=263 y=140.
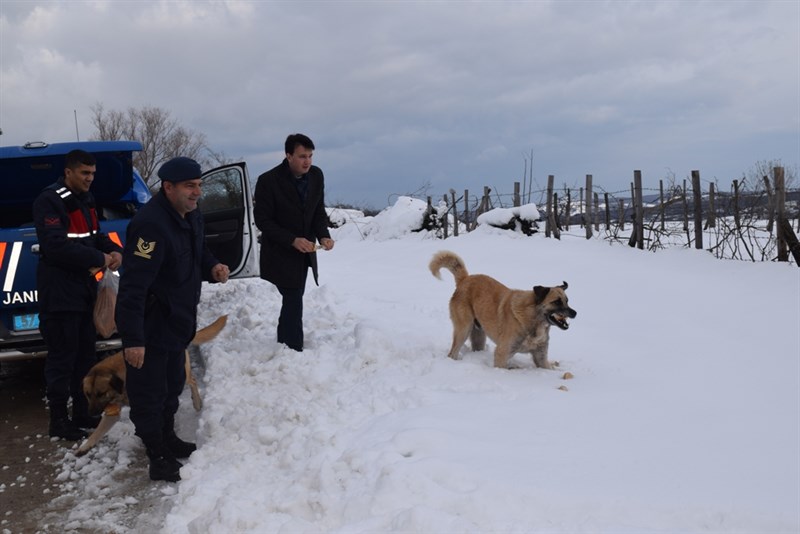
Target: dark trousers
x=154 y=389
x=290 y=321
x=70 y=339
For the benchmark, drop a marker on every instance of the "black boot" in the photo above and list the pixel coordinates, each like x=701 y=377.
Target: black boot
x=163 y=465
x=80 y=413
x=61 y=426
x=175 y=445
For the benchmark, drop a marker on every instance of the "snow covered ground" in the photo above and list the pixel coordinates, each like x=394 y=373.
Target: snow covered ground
x=683 y=414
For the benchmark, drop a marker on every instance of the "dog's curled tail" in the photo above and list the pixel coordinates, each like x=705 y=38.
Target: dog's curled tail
x=450 y=261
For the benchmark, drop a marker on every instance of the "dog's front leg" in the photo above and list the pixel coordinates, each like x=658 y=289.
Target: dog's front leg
x=540 y=358
x=501 y=356
x=106 y=422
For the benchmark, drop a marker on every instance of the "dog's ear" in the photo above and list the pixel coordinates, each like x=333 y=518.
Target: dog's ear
x=117 y=384
x=564 y=285
x=540 y=292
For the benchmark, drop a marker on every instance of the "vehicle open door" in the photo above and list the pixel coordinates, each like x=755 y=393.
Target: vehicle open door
x=227 y=208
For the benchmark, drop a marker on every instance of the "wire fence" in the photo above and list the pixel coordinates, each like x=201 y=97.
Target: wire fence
x=756 y=220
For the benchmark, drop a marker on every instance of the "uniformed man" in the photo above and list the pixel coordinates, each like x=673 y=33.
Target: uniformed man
x=166 y=260
x=72 y=250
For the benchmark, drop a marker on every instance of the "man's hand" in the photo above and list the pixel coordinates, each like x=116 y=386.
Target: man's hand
x=220 y=273
x=301 y=244
x=326 y=242
x=134 y=356
x=113 y=260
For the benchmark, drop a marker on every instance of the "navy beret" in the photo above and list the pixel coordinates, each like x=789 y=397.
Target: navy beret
x=179 y=169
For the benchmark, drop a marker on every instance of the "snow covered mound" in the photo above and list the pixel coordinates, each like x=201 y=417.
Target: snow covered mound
x=669 y=424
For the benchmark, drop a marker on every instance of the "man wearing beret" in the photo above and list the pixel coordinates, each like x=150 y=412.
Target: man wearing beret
x=290 y=212
x=166 y=261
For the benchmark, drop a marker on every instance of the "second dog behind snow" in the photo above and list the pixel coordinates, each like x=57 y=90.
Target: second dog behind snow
x=516 y=320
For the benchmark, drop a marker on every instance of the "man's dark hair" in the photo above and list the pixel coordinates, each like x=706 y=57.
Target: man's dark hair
x=298 y=139
x=76 y=158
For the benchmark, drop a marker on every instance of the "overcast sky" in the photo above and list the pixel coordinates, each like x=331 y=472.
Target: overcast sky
x=399 y=95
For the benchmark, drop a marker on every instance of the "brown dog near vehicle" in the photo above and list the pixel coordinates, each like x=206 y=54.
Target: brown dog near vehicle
x=104 y=386
x=516 y=320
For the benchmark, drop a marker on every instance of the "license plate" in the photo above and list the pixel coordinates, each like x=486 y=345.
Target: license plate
x=28 y=321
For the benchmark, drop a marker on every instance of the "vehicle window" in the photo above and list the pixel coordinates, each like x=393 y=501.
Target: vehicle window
x=222 y=191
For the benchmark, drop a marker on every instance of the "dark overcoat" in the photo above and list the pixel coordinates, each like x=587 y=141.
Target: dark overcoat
x=282 y=215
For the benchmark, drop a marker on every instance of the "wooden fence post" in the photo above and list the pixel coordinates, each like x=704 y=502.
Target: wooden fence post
x=516 y=194
x=596 y=212
x=569 y=209
x=608 y=211
x=587 y=207
x=686 y=212
x=455 y=213
x=711 y=220
x=467 y=218
x=780 y=212
x=736 y=219
x=791 y=240
x=621 y=216
x=549 y=212
x=632 y=238
x=554 y=218
x=444 y=218
x=661 y=203
x=698 y=210
x=639 y=209
x=484 y=205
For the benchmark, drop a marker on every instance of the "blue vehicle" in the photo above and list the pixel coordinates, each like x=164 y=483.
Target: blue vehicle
x=119 y=191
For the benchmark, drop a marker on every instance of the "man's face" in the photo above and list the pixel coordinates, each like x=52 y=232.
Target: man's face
x=184 y=195
x=300 y=161
x=79 y=179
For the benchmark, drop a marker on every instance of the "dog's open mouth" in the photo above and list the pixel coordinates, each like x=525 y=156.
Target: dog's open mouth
x=558 y=320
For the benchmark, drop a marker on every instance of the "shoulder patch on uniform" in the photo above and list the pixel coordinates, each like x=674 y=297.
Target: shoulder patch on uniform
x=145 y=248
x=52 y=221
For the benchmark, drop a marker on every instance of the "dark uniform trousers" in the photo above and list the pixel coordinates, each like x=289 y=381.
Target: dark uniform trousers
x=290 y=321
x=154 y=389
x=70 y=338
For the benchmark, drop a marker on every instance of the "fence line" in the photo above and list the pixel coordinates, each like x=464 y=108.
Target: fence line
x=752 y=223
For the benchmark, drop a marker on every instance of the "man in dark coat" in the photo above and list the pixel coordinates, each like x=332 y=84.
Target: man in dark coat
x=290 y=212
x=166 y=261
x=72 y=250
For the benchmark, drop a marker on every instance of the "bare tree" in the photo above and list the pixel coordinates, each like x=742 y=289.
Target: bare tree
x=161 y=136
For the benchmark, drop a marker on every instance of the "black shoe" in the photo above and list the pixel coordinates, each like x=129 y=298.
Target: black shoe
x=165 y=467
x=65 y=429
x=178 y=447
x=86 y=421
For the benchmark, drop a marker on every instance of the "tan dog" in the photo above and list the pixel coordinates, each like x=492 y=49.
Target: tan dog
x=517 y=321
x=104 y=386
